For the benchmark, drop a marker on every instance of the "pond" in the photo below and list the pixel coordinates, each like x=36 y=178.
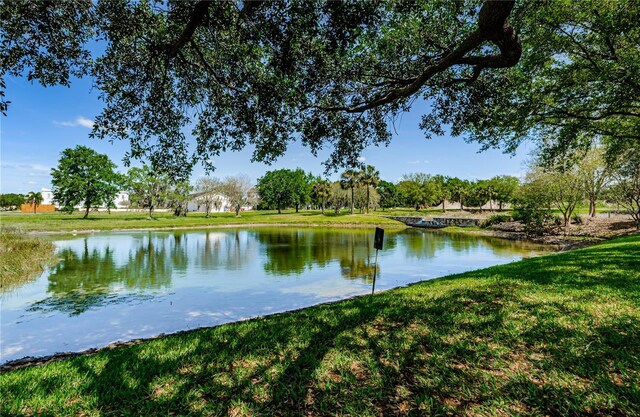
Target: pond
x=112 y=287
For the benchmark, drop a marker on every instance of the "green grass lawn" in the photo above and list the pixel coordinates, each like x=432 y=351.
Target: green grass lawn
x=60 y=222
x=554 y=335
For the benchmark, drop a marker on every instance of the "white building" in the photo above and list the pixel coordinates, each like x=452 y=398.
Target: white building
x=121 y=200
x=47 y=196
x=198 y=202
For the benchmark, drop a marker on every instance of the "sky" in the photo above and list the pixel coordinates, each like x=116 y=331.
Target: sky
x=42 y=122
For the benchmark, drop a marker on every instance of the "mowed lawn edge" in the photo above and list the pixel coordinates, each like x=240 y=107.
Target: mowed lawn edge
x=64 y=223
x=553 y=335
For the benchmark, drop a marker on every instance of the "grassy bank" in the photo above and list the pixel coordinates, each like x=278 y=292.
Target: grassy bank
x=555 y=335
x=59 y=222
x=21 y=258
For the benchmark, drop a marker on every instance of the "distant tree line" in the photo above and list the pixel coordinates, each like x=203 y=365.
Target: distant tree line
x=549 y=187
x=362 y=189
x=87 y=179
x=11 y=201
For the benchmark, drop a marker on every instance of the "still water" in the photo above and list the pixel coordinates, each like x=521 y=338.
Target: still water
x=120 y=286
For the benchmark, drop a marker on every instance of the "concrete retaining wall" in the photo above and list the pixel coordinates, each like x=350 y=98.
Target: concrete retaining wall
x=437 y=222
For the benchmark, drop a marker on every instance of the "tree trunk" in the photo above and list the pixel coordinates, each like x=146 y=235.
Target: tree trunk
x=367 y=199
x=352 y=200
x=500 y=206
x=279 y=210
x=86 y=212
x=35 y=207
x=150 y=212
x=297 y=207
x=443 y=209
x=238 y=210
x=323 y=206
x=592 y=207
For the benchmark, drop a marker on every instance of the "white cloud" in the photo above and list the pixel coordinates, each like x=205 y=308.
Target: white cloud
x=40 y=168
x=413 y=162
x=425 y=161
x=79 y=121
x=31 y=182
x=30 y=169
x=362 y=159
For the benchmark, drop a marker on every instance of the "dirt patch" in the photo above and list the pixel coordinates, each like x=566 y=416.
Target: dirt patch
x=591 y=231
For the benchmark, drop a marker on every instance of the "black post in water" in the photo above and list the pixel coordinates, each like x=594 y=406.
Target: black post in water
x=377 y=243
x=375 y=269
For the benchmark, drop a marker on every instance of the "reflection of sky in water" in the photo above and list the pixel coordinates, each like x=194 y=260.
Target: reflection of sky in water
x=119 y=286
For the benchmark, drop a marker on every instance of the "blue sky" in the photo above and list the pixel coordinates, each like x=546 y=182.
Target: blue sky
x=42 y=122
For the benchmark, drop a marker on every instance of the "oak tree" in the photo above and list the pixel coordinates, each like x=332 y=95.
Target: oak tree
x=85 y=177
x=261 y=73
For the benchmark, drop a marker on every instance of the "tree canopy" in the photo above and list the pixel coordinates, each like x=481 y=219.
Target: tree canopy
x=578 y=80
x=34 y=198
x=11 y=201
x=276 y=189
x=258 y=73
x=334 y=74
x=284 y=188
x=148 y=188
x=84 y=176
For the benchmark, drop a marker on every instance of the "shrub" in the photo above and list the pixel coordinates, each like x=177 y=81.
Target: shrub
x=577 y=219
x=535 y=220
x=496 y=218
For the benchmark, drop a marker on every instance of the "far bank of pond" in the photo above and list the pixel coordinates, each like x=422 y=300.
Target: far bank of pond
x=74 y=223
x=112 y=287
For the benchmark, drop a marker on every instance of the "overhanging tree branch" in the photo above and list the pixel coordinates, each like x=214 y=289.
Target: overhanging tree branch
x=492 y=27
x=196 y=19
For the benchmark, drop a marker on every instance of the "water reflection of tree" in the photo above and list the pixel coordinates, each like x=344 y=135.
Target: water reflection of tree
x=291 y=252
x=91 y=277
x=421 y=244
x=151 y=263
x=228 y=250
x=288 y=251
x=424 y=244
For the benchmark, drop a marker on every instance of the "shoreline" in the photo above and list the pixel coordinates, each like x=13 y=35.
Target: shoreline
x=34 y=361
x=214 y=226
x=562 y=243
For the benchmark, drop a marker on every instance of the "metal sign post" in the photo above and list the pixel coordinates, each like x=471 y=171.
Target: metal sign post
x=377 y=243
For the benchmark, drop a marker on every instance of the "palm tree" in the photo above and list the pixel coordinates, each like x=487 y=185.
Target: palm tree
x=369 y=177
x=322 y=190
x=35 y=199
x=349 y=179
